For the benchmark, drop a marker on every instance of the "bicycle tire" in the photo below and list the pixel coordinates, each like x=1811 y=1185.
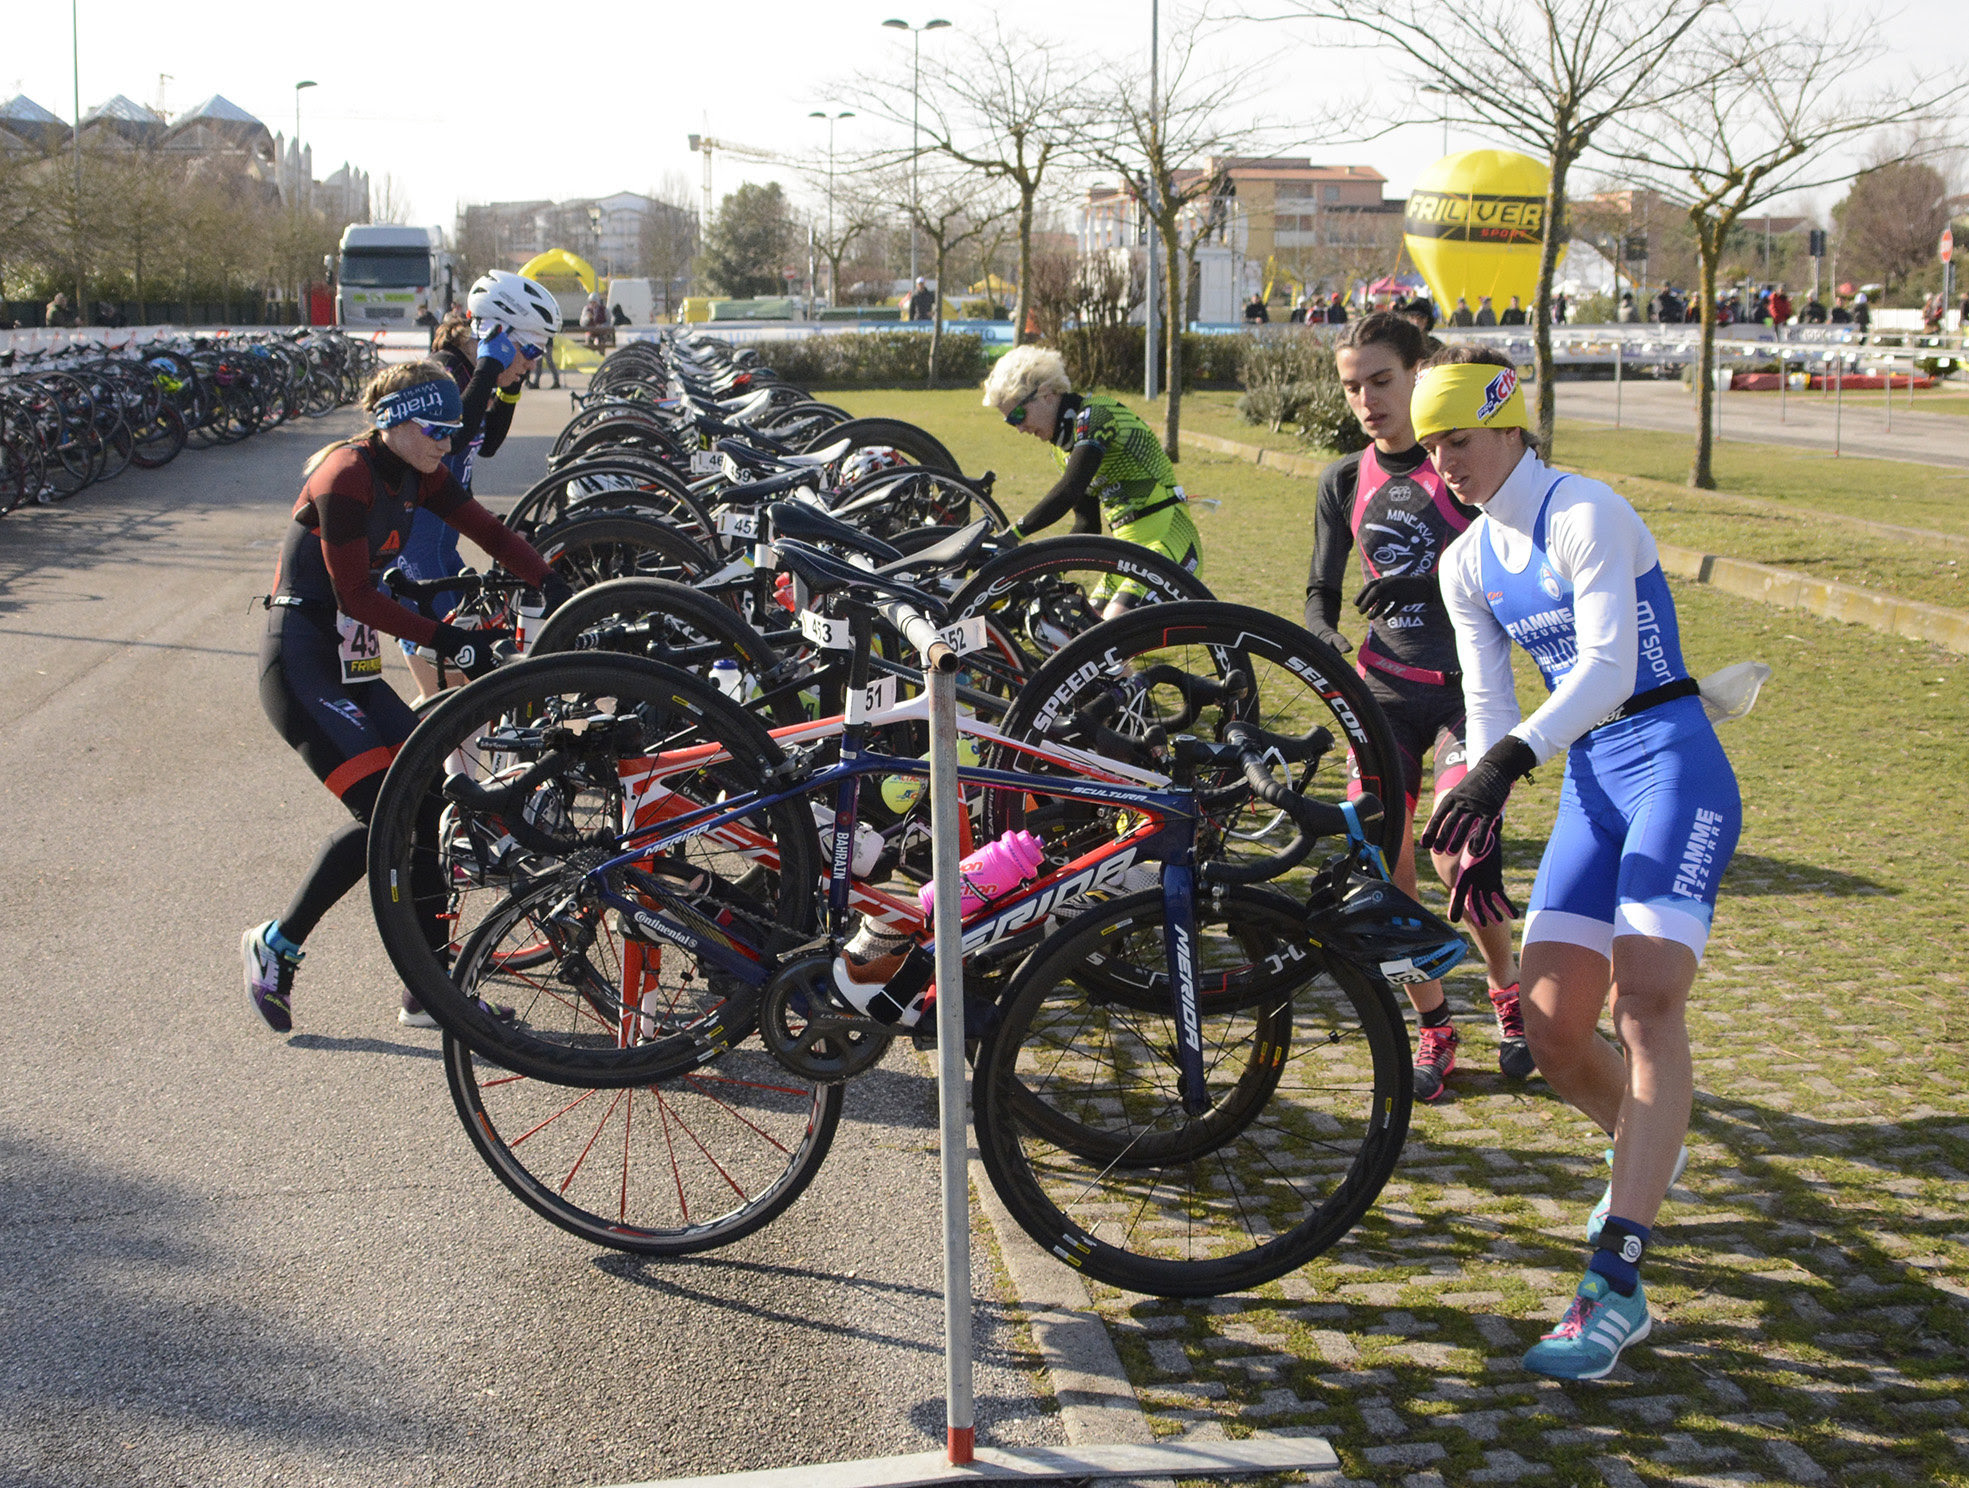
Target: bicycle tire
x=1275 y=1183
x=586 y=1031
x=920 y=445
x=701 y=629
x=597 y=546
x=668 y=1168
x=1295 y=681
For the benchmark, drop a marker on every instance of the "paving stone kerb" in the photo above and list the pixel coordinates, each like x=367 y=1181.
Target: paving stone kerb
x=1907 y=618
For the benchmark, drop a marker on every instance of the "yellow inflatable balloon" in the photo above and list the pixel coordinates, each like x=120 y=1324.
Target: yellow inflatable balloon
x=1474 y=226
x=559 y=263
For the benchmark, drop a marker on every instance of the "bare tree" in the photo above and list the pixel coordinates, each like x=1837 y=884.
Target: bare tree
x=1175 y=161
x=1006 y=106
x=1549 y=74
x=951 y=209
x=392 y=202
x=667 y=237
x=1894 y=213
x=857 y=211
x=1763 y=112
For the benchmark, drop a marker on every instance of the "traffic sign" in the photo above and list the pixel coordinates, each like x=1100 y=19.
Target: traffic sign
x=1948 y=244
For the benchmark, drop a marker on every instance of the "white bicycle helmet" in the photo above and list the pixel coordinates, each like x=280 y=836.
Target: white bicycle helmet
x=524 y=306
x=870 y=459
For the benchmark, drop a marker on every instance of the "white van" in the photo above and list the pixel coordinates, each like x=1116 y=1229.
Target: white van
x=637 y=297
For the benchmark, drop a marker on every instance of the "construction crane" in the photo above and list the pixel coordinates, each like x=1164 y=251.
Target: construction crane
x=705 y=144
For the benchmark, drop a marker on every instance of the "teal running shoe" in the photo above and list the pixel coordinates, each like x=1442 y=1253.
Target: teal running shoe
x=1597 y=1220
x=1597 y=1326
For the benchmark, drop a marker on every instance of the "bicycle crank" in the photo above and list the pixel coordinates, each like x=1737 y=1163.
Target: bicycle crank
x=811 y=1031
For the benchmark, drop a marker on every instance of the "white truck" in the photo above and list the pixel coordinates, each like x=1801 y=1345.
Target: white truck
x=388 y=275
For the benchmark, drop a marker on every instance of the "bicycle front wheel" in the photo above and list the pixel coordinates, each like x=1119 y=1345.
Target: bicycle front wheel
x=1083 y=1126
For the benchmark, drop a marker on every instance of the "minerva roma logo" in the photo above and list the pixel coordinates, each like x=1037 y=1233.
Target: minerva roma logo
x=1497 y=393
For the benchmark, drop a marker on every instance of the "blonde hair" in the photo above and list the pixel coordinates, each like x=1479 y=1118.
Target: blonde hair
x=396 y=379
x=1022 y=373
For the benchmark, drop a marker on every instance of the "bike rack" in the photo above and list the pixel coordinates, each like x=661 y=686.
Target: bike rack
x=962 y=1460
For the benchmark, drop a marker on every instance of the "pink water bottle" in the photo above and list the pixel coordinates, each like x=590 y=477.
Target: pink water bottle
x=992 y=872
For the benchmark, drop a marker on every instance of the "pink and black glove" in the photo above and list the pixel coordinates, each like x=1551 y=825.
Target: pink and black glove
x=1465 y=819
x=1478 y=893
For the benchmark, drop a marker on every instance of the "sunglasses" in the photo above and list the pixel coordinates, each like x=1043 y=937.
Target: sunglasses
x=532 y=353
x=1017 y=416
x=440 y=432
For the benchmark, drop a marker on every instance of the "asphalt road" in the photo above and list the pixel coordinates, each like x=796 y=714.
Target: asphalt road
x=1810 y=422
x=236 y=1259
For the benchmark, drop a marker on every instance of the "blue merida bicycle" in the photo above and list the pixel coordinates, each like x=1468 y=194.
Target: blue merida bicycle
x=1185 y=1089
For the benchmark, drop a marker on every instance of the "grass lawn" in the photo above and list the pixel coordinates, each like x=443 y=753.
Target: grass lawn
x=1267 y=545
x=1811 y=1285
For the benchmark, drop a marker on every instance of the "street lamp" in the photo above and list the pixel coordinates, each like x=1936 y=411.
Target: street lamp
x=305 y=83
x=1441 y=91
x=833 y=289
x=915 y=109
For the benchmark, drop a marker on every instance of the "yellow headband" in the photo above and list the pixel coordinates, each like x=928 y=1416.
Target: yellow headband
x=1467 y=395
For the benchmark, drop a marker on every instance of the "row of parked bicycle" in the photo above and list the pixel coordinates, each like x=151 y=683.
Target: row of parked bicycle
x=70 y=417
x=683 y=849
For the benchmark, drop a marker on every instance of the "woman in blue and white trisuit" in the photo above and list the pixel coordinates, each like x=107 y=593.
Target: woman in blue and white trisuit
x=1648 y=816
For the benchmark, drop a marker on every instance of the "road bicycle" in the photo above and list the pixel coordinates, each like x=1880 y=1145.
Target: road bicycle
x=657 y=924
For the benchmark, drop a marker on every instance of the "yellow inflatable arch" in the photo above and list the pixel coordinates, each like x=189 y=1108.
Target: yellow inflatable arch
x=1475 y=224
x=562 y=264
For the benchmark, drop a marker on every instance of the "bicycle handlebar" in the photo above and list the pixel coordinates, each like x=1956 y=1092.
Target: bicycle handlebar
x=1253 y=749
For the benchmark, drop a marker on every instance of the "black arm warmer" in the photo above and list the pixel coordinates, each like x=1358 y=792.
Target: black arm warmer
x=1068 y=492
x=478 y=393
x=1333 y=540
x=498 y=419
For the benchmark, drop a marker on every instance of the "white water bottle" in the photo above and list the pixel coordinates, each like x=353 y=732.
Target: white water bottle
x=729 y=680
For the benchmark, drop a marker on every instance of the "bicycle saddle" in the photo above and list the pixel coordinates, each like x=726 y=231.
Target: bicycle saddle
x=777 y=484
x=825 y=456
x=810 y=524
x=824 y=574
x=953 y=552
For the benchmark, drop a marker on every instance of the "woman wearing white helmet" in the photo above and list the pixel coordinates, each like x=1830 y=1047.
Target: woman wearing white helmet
x=516 y=318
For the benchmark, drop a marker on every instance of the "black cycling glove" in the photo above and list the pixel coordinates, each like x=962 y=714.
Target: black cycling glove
x=555 y=591
x=469 y=651
x=1466 y=818
x=1333 y=638
x=1479 y=891
x=1381 y=597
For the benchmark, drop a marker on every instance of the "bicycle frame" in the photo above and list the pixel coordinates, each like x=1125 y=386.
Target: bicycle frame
x=657 y=819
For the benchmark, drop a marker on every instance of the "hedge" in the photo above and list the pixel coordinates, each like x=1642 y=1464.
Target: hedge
x=1290 y=378
x=881 y=359
x=1111 y=357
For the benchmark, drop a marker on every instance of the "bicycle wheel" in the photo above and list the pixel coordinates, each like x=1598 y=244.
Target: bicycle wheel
x=666 y=622
x=578 y=744
x=1194 y=667
x=1079 y=1105
x=1045 y=593
x=920 y=445
x=592 y=547
x=665 y=1168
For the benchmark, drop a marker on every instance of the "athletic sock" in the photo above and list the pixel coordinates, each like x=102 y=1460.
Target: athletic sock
x=1623 y=1244
x=281 y=943
x=1437 y=1016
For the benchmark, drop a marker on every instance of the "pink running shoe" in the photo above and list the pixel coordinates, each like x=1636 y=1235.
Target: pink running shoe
x=1513 y=1053
x=1435 y=1057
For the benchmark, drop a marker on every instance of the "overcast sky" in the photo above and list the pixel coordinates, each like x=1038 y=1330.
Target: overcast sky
x=442 y=108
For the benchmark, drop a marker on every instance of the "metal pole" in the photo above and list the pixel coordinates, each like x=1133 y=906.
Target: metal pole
x=915 y=147
x=946 y=806
x=75 y=59
x=1888 y=374
x=1149 y=317
x=1619 y=346
x=1783 y=378
x=833 y=289
x=1838 y=400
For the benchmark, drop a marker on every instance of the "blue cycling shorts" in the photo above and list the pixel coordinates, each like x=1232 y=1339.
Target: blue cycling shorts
x=1648 y=819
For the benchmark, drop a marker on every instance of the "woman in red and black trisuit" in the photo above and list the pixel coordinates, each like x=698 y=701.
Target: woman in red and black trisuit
x=321 y=660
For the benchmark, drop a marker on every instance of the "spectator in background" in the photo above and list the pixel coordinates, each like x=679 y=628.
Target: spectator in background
x=1780 y=307
x=1862 y=312
x=595 y=321
x=1485 y=315
x=1932 y=313
x=1420 y=312
x=1964 y=320
x=617 y=316
x=1460 y=316
x=59 y=314
x=1298 y=315
x=1336 y=309
x=1561 y=308
x=1255 y=312
x=1840 y=314
x=1813 y=313
x=1627 y=314
x=922 y=302
x=1514 y=313
x=110 y=315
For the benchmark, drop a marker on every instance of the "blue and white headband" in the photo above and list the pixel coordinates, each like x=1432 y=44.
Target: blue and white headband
x=434 y=402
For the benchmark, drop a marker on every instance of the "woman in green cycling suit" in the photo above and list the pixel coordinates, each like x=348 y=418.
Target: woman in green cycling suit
x=1111 y=465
